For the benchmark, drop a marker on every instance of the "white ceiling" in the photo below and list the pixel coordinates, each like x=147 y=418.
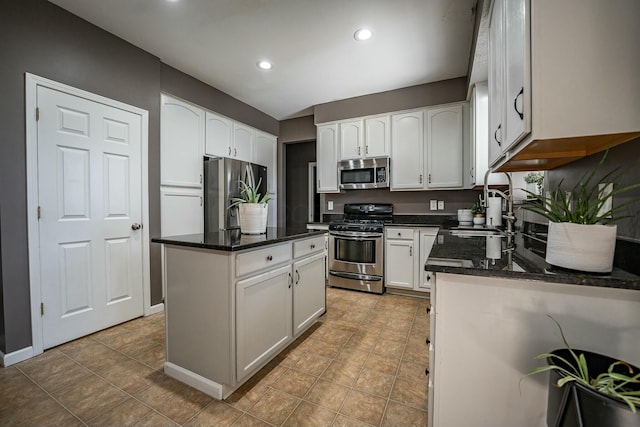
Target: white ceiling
x=310 y=43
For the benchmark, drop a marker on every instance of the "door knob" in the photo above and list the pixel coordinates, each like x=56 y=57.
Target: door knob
x=136 y=226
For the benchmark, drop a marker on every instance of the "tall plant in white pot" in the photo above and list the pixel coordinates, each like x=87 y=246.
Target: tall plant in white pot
x=581 y=233
x=252 y=208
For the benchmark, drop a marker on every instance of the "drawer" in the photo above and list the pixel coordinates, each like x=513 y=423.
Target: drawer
x=399 y=233
x=308 y=246
x=260 y=259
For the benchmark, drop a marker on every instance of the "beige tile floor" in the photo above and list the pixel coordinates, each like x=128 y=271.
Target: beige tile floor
x=362 y=364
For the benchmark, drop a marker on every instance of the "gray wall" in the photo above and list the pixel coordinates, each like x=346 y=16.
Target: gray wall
x=626 y=156
x=442 y=92
x=43 y=39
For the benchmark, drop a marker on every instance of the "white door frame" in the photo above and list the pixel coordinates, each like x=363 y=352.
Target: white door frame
x=31 y=83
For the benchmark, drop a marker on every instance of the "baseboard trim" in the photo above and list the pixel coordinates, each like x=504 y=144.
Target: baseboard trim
x=212 y=388
x=16 y=356
x=154 y=309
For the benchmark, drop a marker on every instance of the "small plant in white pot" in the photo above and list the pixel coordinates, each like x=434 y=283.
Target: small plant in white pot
x=581 y=235
x=252 y=208
x=478 y=213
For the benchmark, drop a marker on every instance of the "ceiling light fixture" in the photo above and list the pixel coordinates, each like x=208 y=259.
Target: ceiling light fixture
x=363 y=34
x=265 y=65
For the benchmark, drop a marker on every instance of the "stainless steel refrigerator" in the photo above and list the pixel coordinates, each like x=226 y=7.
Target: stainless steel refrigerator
x=221 y=184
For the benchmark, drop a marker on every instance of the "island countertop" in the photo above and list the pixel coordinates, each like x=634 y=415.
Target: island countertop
x=488 y=256
x=233 y=240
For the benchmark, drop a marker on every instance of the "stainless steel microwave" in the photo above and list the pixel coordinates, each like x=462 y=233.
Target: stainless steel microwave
x=360 y=174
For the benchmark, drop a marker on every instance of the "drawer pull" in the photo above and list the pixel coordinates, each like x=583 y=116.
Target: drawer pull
x=269 y=258
x=313 y=246
x=399 y=234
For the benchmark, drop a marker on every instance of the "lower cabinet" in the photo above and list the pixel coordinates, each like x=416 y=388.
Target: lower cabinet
x=181 y=211
x=309 y=292
x=263 y=318
x=406 y=252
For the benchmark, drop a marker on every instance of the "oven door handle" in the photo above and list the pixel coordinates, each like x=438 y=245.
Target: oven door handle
x=355 y=276
x=354 y=235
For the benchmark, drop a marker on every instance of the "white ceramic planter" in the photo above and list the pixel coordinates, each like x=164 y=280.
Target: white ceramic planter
x=478 y=220
x=581 y=247
x=253 y=218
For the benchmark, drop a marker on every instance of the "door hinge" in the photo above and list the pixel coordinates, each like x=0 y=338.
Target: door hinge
x=41 y=309
x=37 y=113
x=39 y=212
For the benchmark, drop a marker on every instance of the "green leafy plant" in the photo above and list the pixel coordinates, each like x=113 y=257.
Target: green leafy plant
x=584 y=202
x=478 y=208
x=249 y=194
x=611 y=383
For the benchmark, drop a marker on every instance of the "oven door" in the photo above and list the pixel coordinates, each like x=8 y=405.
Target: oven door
x=356 y=252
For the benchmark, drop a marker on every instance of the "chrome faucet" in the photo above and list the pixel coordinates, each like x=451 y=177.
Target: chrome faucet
x=508 y=196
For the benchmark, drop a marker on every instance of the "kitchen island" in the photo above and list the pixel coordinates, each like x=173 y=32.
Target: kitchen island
x=490 y=303
x=234 y=301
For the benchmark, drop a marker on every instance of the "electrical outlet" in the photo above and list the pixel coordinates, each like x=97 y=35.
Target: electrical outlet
x=329 y=205
x=440 y=239
x=603 y=191
x=440 y=205
x=433 y=205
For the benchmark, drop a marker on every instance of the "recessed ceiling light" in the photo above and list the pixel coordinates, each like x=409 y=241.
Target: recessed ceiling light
x=363 y=34
x=173 y=1
x=265 y=65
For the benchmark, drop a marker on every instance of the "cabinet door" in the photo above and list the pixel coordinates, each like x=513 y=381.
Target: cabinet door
x=496 y=82
x=351 y=146
x=327 y=158
x=377 y=137
x=181 y=143
x=265 y=154
x=263 y=318
x=407 y=141
x=218 y=136
x=517 y=95
x=272 y=216
x=243 y=137
x=444 y=147
x=308 y=291
x=427 y=238
x=399 y=268
x=181 y=211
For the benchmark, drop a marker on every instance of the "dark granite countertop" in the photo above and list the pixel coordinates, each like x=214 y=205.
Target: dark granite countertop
x=487 y=256
x=233 y=240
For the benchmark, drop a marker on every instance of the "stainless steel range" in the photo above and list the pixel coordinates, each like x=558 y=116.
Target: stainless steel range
x=356 y=248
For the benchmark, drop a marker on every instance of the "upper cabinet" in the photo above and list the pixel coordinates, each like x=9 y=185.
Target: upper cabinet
x=561 y=89
x=327 y=158
x=243 y=139
x=365 y=138
x=407 y=161
x=182 y=131
x=219 y=135
x=444 y=147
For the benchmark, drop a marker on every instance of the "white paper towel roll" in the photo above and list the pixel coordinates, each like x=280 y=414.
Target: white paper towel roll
x=493 y=247
x=494 y=212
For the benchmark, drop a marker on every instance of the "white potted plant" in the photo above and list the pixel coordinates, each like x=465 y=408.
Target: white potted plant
x=581 y=235
x=534 y=182
x=252 y=208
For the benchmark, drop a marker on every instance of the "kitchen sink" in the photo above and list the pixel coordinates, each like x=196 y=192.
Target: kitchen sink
x=475 y=232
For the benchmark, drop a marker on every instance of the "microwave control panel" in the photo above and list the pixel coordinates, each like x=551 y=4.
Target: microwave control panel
x=381 y=174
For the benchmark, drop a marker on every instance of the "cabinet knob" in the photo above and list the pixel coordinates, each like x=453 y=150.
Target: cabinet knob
x=269 y=258
x=399 y=234
x=428 y=341
x=426 y=372
x=428 y=310
x=313 y=246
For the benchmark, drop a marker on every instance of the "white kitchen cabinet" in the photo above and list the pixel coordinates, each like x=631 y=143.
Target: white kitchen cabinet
x=406 y=252
x=407 y=148
x=263 y=318
x=361 y=139
x=264 y=154
x=444 y=144
x=181 y=211
x=272 y=215
x=496 y=81
x=243 y=140
x=308 y=290
x=577 y=99
x=479 y=139
x=182 y=128
x=377 y=136
x=327 y=158
x=218 y=135
x=351 y=140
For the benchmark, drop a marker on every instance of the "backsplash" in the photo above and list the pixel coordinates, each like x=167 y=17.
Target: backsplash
x=404 y=202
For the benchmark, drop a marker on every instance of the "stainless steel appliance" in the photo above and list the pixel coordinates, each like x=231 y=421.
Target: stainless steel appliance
x=356 y=247
x=358 y=174
x=221 y=184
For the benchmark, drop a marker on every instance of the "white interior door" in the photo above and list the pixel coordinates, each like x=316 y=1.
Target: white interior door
x=89 y=190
